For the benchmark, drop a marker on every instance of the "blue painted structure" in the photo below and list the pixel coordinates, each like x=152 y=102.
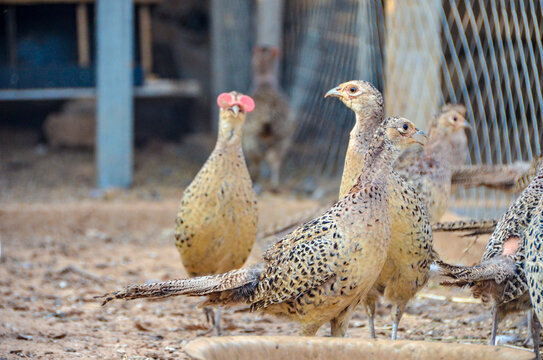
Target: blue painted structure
x=114 y=131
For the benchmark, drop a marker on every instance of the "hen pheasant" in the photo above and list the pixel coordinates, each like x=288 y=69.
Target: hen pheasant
x=407 y=266
x=499 y=279
x=269 y=128
x=429 y=170
x=533 y=240
x=217 y=219
x=319 y=272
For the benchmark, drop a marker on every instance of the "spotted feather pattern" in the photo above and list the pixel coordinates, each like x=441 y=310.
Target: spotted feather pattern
x=533 y=241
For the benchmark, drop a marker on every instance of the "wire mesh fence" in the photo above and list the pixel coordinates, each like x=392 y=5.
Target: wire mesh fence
x=485 y=54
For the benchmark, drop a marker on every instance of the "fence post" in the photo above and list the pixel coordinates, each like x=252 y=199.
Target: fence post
x=114 y=130
x=413 y=59
x=230 y=48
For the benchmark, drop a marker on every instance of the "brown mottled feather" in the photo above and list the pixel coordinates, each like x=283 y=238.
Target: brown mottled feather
x=319 y=272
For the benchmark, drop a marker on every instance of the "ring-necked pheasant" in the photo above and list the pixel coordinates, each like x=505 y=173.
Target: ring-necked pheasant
x=500 y=279
x=217 y=219
x=269 y=128
x=406 y=269
x=429 y=170
x=319 y=272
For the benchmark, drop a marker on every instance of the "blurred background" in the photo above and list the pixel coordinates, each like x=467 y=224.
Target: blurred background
x=108 y=110
x=95 y=95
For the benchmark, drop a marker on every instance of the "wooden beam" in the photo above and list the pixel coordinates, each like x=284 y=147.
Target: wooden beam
x=413 y=59
x=270 y=22
x=114 y=130
x=83 y=44
x=153 y=89
x=38 y=2
x=145 y=39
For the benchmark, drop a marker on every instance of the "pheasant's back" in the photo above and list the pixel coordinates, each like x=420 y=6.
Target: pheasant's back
x=329 y=260
x=534 y=259
x=507 y=238
x=217 y=218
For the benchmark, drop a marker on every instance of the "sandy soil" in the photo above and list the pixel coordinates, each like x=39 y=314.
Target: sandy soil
x=63 y=243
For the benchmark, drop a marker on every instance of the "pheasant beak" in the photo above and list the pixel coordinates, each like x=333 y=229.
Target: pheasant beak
x=333 y=93
x=420 y=137
x=466 y=125
x=235 y=109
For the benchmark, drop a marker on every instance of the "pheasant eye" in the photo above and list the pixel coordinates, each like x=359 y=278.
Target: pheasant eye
x=353 y=89
x=405 y=127
x=455 y=119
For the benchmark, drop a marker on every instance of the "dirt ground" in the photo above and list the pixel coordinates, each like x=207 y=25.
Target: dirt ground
x=64 y=243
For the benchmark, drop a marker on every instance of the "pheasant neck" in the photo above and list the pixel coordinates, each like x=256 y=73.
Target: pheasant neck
x=378 y=160
x=230 y=132
x=367 y=122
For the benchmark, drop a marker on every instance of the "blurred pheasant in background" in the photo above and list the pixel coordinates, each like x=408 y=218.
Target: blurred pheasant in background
x=510 y=177
x=500 y=279
x=217 y=219
x=270 y=127
x=429 y=170
x=407 y=266
x=321 y=271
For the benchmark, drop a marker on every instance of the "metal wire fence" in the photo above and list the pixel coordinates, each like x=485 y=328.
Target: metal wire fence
x=487 y=54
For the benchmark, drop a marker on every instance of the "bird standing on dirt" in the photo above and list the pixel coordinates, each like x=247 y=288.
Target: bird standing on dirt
x=319 y=272
x=268 y=131
x=217 y=219
x=500 y=279
x=429 y=170
x=406 y=269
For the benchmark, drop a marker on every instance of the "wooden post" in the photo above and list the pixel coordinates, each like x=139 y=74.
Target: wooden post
x=269 y=25
x=83 y=46
x=367 y=42
x=230 y=48
x=114 y=130
x=145 y=39
x=413 y=59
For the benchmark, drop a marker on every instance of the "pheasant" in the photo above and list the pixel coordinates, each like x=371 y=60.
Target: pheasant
x=500 y=279
x=269 y=128
x=406 y=269
x=319 y=272
x=476 y=227
x=217 y=219
x=511 y=178
x=533 y=240
x=429 y=170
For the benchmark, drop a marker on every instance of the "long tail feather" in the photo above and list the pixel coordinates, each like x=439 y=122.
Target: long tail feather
x=497 y=269
x=476 y=227
x=198 y=286
x=513 y=177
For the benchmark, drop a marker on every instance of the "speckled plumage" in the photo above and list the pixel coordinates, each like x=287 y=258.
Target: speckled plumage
x=217 y=219
x=504 y=284
x=269 y=129
x=533 y=240
x=429 y=170
x=319 y=272
x=406 y=269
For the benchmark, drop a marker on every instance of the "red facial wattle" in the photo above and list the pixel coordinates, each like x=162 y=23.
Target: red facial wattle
x=246 y=103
